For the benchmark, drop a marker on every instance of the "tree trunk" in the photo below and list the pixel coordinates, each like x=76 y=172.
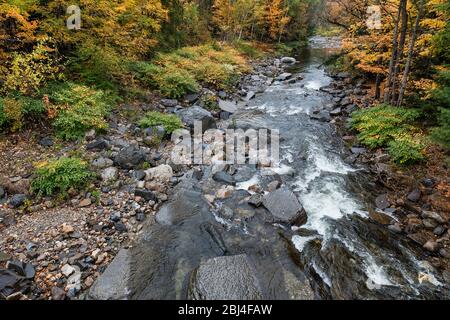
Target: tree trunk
x=410 y=54
x=401 y=47
x=387 y=89
x=378 y=87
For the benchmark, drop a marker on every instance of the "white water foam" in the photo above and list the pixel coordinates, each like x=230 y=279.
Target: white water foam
x=247 y=184
x=300 y=242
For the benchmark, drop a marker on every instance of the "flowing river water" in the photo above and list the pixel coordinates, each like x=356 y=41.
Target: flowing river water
x=339 y=254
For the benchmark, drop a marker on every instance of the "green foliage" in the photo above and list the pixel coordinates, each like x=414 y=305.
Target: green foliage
x=441 y=134
x=78 y=109
x=170 y=122
x=59 y=175
x=15 y=110
x=209 y=102
x=392 y=127
x=175 y=83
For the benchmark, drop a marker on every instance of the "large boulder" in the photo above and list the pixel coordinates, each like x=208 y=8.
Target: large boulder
x=228 y=106
x=225 y=278
x=193 y=114
x=130 y=157
x=285 y=207
x=162 y=173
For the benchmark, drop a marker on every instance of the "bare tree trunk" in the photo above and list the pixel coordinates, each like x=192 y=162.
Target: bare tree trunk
x=410 y=54
x=387 y=89
x=401 y=47
x=378 y=87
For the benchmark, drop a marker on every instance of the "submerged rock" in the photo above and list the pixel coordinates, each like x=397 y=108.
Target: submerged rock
x=225 y=278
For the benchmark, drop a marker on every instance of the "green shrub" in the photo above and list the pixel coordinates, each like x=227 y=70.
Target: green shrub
x=209 y=102
x=79 y=109
x=3 y=117
x=59 y=175
x=441 y=134
x=175 y=83
x=406 y=149
x=16 y=110
x=170 y=122
x=392 y=127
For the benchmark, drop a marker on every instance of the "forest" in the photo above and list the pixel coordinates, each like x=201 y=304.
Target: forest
x=91 y=92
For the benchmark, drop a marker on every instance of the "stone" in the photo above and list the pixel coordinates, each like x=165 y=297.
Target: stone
x=439 y=231
x=67 y=270
x=250 y=95
x=223 y=177
x=46 y=142
x=147 y=195
x=382 y=202
x=396 y=227
x=85 y=203
x=58 y=293
x=102 y=163
x=224 y=192
x=120 y=227
x=415 y=195
x=274 y=185
x=4 y=256
x=210 y=198
x=228 y=106
x=139 y=175
x=285 y=207
x=115 y=216
x=431 y=246
x=11 y=282
x=17 y=200
x=433 y=215
x=225 y=278
x=113 y=284
x=428 y=183
x=110 y=174
x=194 y=114
x=357 y=150
x=162 y=173
x=67 y=228
x=429 y=223
x=288 y=60
x=336 y=112
x=323 y=116
x=97 y=145
x=169 y=103
x=284 y=76
x=2 y=193
x=227 y=212
x=192 y=97
x=130 y=157
x=256 y=200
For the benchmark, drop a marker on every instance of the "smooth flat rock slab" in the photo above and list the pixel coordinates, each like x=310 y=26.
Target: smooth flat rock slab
x=225 y=278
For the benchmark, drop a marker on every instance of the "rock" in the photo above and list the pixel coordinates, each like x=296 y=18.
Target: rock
x=223 y=177
x=285 y=207
x=98 y=145
x=224 y=192
x=429 y=223
x=67 y=270
x=17 y=200
x=250 y=95
x=11 y=282
x=102 y=163
x=415 y=195
x=336 y=112
x=110 y=174
x=67 y=228
x=169 y=103
x=227 y=212
x=58 y=293
x=73 y=284
x=162 y=173
x=346 y=102
x=210 y=198
x=256 y=200
x=433 y=215
x=431 y=246
x=396 y=227
x=284 y=76
x=225 y=278
x=357 y=150
x=46 y=142
x=25 y=270
x=444 y=253
x=439 y=231
x=120 y=227
x=428 y=183
x=113 y=284
x=4 y=256
x=288 y=60
x=2 y=193
x=130 y=157
x=139 y=175
x=85 y=203
x=274 y=185
x=192 y=98
x=193 y=114
x=228 y=106
x=147 y=195
x=115 y=216
x=224 y=115
x=382 y=202
x=323 y=116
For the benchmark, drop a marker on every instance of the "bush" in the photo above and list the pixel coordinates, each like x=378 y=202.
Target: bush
x=387 y=126
x=175 y=83
x=15 y=110
x=441 y=134
x=170 y=122
x=59 y=175
x=78 y=109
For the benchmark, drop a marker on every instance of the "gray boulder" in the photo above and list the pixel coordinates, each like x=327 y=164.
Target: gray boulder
x=130 y=157
x=284 y=76
x=285 y=207
x=288 y=60
x=225 y=278
x=190 y=115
